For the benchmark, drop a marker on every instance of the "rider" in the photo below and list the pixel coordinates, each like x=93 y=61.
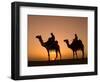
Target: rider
x=51 y=40
x=52 y=37
x=76 y=38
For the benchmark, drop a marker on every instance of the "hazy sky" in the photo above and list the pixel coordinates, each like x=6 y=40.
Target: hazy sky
x=62 y=27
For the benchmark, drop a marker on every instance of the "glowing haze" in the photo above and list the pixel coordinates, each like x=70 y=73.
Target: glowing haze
x=63 y=27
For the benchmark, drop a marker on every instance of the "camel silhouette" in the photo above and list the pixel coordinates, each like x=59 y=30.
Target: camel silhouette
x=75 y=46
x=50 y=46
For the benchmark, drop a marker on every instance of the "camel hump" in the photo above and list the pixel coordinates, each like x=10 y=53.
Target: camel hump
x=80 y=41
x=77 y=42
x=56 y=42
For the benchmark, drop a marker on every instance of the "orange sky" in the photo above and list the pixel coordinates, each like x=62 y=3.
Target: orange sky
x=62 y=27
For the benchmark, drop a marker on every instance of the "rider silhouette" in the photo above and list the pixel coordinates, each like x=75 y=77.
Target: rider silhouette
x=76 y=38
x=52 y=37
x=51 y=40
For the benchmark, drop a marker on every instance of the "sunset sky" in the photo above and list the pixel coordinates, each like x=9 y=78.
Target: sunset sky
x=63 y=27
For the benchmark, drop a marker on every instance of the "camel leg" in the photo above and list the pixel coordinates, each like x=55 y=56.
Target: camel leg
x=73 y=54
x=83 y=54
x=59 y=54
x=48 y=56
x=56 y=55
x=76 y=55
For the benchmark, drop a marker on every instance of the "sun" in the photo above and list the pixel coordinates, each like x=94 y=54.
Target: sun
x=53 y=59
x=53 y=55
x=52 y=52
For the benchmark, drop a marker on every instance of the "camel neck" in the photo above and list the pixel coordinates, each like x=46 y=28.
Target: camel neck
x=68 y=44
x=41 y=41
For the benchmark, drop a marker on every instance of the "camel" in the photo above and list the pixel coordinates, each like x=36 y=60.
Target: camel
x=75 y=46
x=53 y=46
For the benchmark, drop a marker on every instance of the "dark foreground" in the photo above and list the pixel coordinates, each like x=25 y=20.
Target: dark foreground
x=58 y=62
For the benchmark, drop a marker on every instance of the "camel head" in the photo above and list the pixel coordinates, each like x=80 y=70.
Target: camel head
x=38 y=36
x=40 y=39
x=66 y=40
